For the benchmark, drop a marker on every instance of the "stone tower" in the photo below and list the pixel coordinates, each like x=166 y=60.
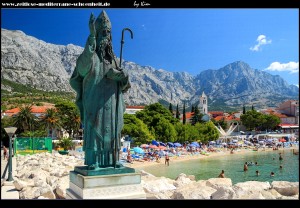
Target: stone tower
x=203 y=104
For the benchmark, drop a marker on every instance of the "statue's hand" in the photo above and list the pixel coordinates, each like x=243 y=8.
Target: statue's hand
x=119 y=69
x=92 y=25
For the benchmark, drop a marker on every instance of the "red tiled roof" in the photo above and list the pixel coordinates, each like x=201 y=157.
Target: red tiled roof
x=12 y=111
x=279 y=115
x=218 y=118
x=227 y=118
x=135 y=107
x=215 y=112
x=288 y=125
x=188 y=115
x=34 y=109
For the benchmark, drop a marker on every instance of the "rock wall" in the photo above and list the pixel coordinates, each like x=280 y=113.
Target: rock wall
x=46 y=176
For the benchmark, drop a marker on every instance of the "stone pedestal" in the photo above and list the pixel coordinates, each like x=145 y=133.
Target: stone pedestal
x=114 y=186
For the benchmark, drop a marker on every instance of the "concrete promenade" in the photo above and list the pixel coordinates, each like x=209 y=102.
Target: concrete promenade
x=8 y=190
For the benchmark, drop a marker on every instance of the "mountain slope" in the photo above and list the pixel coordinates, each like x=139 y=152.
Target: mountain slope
x=35 y=63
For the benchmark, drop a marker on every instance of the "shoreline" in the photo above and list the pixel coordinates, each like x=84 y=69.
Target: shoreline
x=175 y=159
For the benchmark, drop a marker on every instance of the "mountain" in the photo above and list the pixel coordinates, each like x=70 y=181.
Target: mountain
x=33 y=62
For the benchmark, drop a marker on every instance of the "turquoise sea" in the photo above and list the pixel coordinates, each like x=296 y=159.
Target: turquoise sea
x=210 y=167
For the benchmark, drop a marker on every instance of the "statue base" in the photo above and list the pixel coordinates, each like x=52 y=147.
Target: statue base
x=84 y=170
x=114 y=186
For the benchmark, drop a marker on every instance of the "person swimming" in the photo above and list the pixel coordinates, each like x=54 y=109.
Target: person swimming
x=245 y=166
x=280 y=157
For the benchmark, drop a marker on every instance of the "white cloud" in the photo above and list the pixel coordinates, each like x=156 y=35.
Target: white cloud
x=296 y=85
x=291 y=67
x=262 y=40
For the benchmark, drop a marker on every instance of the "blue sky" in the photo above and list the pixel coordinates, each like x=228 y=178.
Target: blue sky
x=189 y=40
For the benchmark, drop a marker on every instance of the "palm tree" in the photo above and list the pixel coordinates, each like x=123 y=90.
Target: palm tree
x=25 y=120
x=71 y=122
x=75 y=120
x=51 y=120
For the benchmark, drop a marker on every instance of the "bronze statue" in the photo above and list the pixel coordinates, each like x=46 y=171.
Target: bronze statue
x=100 y=83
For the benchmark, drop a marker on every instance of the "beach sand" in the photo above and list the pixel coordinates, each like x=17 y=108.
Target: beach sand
x=222 y=152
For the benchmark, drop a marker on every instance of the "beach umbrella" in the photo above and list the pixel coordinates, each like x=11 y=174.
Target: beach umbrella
x=223 y=143
x=152 y=146
x=212 y=142
x=192 y=145
x=176 y=144
x=196 y=144
x=144 y=146
x=170 y=144
x=282 y=140
x=138 y=150
x=162 y=147
x=162 y=144
x=155 y=143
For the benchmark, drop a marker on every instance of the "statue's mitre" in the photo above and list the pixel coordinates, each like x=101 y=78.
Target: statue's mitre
x=102 y=22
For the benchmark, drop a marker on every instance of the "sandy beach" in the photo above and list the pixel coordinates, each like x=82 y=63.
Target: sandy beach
x=220 y=153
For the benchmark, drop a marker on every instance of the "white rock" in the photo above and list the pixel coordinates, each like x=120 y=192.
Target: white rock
x=224 y=192
x=193 y=191
x=62 y=186
x=19 y=184
x=46 y=191
x=29 y=193
x=156 y=185
x=219 y=182
x=182 y=180
x=286 y=188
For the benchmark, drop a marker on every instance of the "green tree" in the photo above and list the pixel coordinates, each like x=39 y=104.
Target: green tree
x=207 y=131
x=51 y=120
x=191 y=133
x=177 y=113
x=136 y=129
x=193 y=109
x=25 y=120
x=180 y=129
x=66 y=143
x=252 y=107
x=251 y=119
x=147 y=115
x=37 y=133
x=197 y=117
x=244 y=109
x=69 y=116
x=164 y=130
x=171 y=108
x=270 y=122
x=183 y=114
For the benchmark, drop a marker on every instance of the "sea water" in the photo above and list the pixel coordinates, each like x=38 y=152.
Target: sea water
x=233 y=165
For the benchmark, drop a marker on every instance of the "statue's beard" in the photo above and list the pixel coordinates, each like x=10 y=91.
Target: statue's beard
x=104 y=50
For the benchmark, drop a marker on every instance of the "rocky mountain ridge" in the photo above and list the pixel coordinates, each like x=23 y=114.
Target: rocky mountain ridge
x=46 y=66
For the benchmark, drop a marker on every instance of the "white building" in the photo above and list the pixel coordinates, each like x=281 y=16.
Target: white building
x=133 y=109
x=203 y=104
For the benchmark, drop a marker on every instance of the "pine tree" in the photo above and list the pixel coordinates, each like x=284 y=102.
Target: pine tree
x=252 y=108
x=184 y=116
x=193 y=109
x=244 y=109
x=171 y=108
x=197 y=116
x=177 y=112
